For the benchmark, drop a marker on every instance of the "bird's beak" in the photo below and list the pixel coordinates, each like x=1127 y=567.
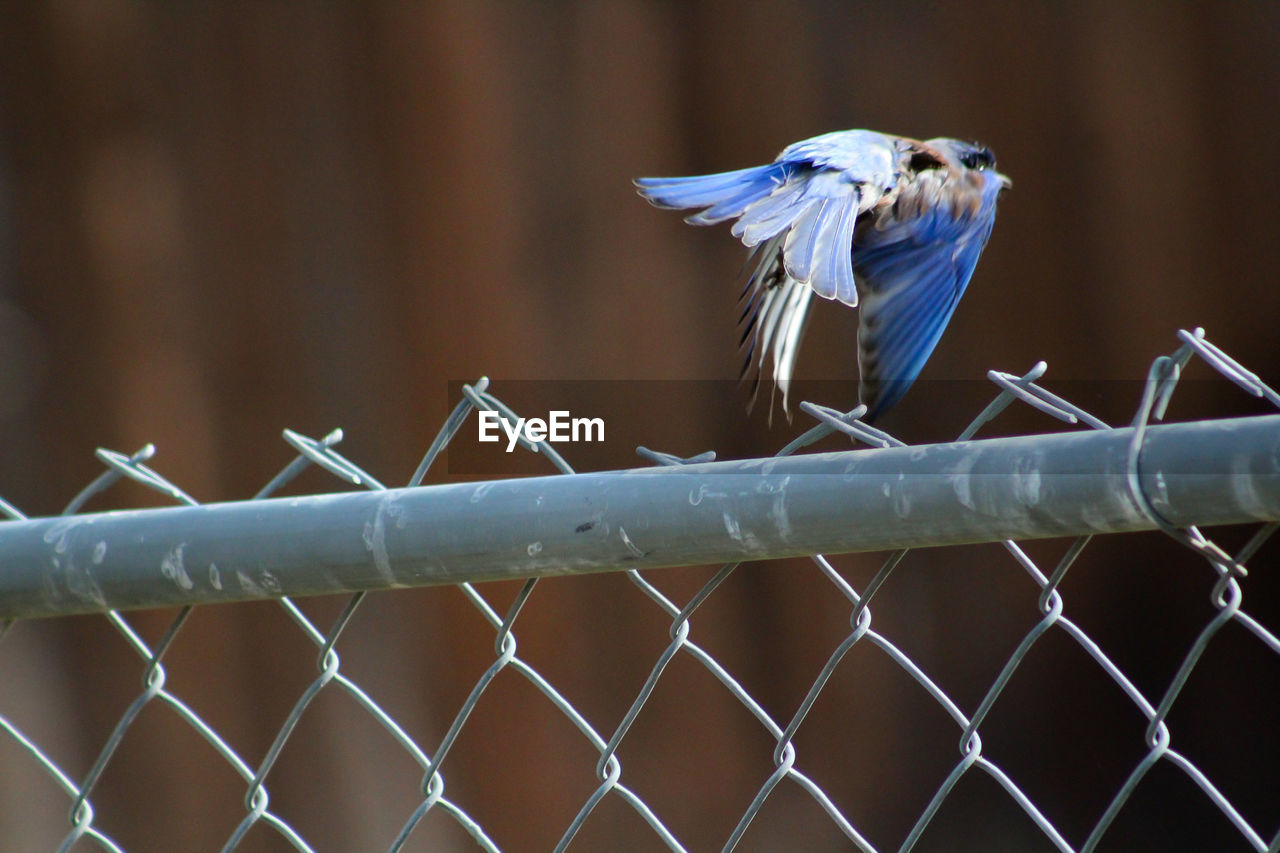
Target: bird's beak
x=1005 y=183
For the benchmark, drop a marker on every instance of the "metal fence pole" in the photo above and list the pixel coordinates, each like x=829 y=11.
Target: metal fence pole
x=1062 y=484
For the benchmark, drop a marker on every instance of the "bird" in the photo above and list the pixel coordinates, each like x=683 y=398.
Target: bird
x=890 y=225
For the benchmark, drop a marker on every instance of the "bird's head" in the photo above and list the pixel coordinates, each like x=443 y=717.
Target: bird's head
x=969 y=155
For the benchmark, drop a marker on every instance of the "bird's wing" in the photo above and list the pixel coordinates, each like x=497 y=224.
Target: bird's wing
x=811 y=196
x=913 y=259
x=775 y=309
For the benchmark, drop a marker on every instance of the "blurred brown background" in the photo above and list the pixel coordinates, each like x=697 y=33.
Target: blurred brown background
x=218 y=221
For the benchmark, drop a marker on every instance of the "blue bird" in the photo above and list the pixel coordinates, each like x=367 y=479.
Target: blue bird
x=891 y=224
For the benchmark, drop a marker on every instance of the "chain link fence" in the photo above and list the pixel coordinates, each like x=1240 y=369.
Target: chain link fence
x=1098 y=479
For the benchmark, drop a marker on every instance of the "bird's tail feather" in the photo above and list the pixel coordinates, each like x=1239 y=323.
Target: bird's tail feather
x=725 y=194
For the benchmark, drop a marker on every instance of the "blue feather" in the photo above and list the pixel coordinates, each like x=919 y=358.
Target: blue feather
x=729 y=190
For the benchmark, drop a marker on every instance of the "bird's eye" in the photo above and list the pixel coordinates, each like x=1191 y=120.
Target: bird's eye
x=978 y=158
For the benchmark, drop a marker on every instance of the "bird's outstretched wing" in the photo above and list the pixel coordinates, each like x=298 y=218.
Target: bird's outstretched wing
x=852 y=216
x=812 y=195
x=913 y=261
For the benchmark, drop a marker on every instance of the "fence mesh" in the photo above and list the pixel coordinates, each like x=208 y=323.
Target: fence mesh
x=1249 y=817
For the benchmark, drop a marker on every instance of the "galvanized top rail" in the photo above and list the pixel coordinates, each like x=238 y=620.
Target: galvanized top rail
x=1053 y=485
